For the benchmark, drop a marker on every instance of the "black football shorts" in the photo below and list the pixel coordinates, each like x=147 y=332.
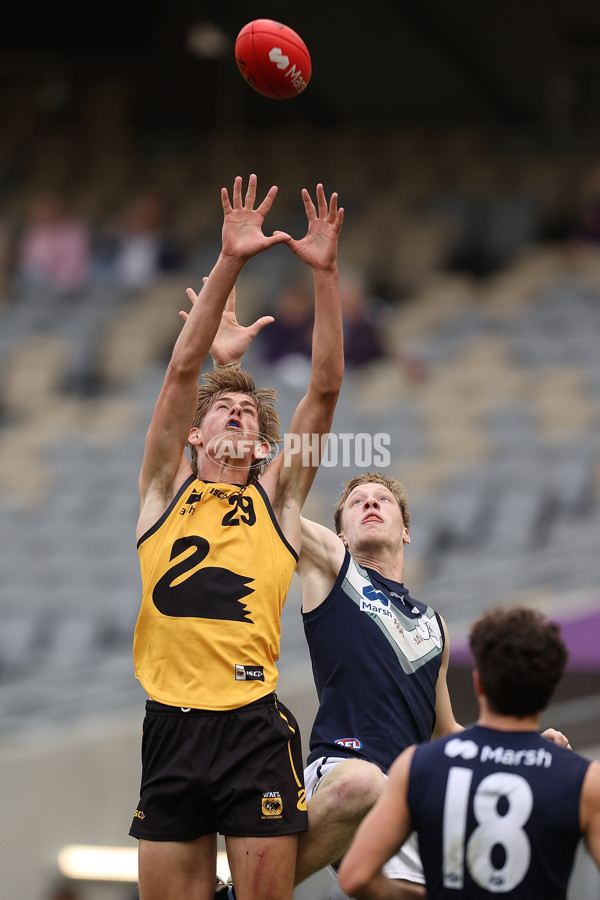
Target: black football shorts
x=237 y=772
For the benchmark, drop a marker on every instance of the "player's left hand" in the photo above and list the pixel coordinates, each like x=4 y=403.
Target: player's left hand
x=557 y=737
x=318 y=248
x=232 y=339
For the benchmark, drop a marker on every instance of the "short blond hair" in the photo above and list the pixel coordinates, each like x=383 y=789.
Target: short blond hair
x=226 y=379
x=393 y=486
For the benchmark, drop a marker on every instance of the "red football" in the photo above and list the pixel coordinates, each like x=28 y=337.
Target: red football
x=273 y=59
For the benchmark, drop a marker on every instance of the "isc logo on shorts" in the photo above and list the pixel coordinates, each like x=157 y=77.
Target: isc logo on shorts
x=272 y=804
x=249 y=673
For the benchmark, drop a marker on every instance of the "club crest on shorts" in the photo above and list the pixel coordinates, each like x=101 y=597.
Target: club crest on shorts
x=272 y=804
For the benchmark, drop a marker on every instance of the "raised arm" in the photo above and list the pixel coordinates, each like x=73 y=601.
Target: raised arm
x=444 y=717
x=320 y=561
x=289 y=478
x=164 y=464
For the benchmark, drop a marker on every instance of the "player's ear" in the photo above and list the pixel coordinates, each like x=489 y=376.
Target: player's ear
x=477 y=684
x=194 y=437
x=405 y=536
x=262 y=449
x=343 y=538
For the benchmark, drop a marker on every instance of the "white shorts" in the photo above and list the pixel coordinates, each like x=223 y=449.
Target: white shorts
x=406 y=864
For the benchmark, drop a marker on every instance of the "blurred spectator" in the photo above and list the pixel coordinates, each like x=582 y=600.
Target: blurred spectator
x=363 y=332
x=286 y=343
x=139 y=248
x=362 y=338
x=54 y=249
x=7 y=259
x=589 y=228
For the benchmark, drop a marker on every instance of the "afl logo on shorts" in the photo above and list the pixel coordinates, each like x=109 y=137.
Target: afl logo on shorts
x=349 y=743
x=272 y=804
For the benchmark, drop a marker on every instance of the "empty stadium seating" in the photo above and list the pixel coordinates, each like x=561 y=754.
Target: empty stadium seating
x=496 y=438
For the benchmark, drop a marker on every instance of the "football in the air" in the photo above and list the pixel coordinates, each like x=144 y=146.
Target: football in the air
x=273 y=59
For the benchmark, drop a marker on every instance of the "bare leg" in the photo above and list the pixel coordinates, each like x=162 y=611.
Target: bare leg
x=344 y=797
x=262 y=868
x=170 y=870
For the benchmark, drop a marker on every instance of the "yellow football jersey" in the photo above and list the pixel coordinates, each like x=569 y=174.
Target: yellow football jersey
x=215 y=569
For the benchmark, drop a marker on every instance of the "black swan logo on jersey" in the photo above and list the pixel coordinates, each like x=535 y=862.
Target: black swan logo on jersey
x=207 y=593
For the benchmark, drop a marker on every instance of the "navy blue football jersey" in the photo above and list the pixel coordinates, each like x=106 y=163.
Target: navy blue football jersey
x=496 y=812
x=376 y=654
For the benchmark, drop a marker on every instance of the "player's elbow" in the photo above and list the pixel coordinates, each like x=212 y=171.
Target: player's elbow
x=328 y=394
x=337 y=376
x=326 y=379
x=323 y=403
x=348 y=884
x=350 y=877
x=182 y=368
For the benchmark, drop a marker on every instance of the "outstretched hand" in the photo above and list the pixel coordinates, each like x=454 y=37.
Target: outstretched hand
x=232 y=339
x=556 y=737
x=318 y=248
x=242 y=225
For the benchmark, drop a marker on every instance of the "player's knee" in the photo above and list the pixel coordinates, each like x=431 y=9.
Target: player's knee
x=354 y=790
